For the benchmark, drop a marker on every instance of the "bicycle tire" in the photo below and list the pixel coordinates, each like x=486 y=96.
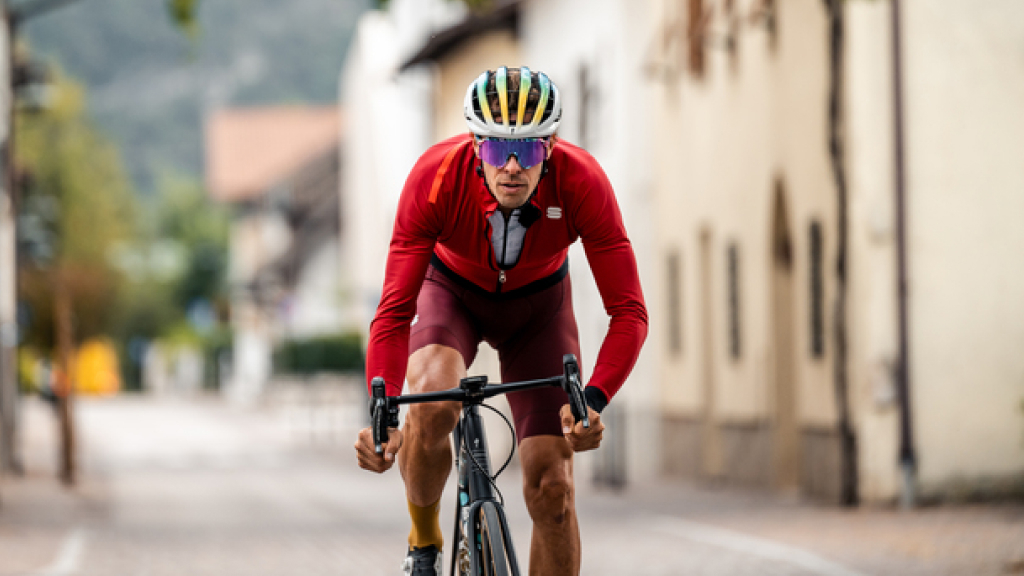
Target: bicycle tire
x=493 y=559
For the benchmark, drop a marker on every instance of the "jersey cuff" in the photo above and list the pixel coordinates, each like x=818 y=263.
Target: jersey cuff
x=595 y=398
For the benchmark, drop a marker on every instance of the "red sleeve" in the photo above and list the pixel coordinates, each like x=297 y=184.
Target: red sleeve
x=598 y=221
x=418 y=222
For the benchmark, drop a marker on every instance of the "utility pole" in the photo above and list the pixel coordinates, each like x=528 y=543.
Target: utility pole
x=13 y=16
x=10 y=458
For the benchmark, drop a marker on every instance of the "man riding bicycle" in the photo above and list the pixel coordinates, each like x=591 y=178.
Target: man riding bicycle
x=479 y=253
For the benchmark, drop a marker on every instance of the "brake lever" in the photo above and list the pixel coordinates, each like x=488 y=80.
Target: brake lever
x=574 y=389
x=382 y=414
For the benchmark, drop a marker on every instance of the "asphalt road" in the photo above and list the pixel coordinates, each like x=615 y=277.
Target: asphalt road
x=193 y=486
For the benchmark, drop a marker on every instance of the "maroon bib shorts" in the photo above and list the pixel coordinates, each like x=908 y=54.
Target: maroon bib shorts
x=531 y=333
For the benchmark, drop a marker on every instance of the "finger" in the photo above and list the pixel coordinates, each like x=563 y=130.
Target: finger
x=393 y=445
x=373 y=462
x=567 y=420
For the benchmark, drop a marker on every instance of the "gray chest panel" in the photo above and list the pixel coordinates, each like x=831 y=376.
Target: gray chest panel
x=507 y=237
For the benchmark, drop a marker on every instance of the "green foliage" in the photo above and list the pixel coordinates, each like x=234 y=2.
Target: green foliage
x=77 y=203
x=176 y=261
x=333 y=353
x=188 y=217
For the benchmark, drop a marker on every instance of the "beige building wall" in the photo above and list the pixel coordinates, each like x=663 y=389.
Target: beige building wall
x=963 y=143
x=751 y=127
x=965 y=146
x=756 y=123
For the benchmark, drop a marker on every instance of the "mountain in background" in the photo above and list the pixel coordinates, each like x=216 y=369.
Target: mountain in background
x=150 y=86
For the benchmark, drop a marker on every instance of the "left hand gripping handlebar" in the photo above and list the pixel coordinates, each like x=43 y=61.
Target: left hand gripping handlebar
x=382 y=414
x=574 y=388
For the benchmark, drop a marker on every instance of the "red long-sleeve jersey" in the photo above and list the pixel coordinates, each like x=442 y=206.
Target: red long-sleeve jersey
x=444 y=210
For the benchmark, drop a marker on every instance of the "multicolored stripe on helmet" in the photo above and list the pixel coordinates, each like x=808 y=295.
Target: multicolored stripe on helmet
x=481 y=96
x=545 y=91
x=524 y=93
x=501 y=83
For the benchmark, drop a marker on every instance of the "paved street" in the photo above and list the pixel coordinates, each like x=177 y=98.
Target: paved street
x=173 y=487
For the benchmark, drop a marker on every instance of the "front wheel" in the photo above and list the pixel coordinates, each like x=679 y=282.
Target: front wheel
x=490 y=547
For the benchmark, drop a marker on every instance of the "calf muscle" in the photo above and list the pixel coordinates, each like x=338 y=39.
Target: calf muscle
x=550 y=497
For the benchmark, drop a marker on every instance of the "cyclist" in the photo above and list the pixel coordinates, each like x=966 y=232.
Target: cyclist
x=479 y=253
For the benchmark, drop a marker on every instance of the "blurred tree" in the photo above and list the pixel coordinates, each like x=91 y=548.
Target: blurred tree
x=77 y=203
x=199 y=227
x=176 y=268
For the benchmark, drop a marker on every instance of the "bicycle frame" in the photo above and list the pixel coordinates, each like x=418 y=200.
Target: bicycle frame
x=474 y=490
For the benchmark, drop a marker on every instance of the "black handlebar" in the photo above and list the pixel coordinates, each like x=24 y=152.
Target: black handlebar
x=472 y=390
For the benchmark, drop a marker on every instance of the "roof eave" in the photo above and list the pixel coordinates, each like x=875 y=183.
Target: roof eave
x=503 y=16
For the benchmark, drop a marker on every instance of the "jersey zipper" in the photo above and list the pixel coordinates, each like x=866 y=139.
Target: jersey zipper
x=494 y=258
x=504 y=241
x=504 y=254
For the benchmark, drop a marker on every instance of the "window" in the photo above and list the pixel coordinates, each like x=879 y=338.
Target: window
x=673 y=277
x=817 y=278
x=734 y=300
x=765 y=13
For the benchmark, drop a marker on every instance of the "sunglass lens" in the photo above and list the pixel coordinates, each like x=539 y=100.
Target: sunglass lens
x=497 y=152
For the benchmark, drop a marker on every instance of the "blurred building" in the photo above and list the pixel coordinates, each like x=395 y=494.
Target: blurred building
x=389 y=128
x=279 y=168
x=786 y=345
x=413 y=98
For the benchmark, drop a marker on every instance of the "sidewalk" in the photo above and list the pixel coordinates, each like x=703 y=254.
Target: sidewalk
x=194 y=487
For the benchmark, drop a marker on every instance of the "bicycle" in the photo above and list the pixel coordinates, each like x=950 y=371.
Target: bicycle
x=482 y=545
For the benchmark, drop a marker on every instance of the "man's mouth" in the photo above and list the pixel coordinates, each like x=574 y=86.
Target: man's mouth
x=511 y=186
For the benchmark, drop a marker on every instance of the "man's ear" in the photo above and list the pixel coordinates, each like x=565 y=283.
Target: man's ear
x=552 y=140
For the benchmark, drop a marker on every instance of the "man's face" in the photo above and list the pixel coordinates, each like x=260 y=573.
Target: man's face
x=511 y=184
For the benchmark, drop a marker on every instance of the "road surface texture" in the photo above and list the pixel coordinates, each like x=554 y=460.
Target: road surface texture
x=176 y=486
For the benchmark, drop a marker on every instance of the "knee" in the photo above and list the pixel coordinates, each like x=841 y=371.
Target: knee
x=431 y=422
x=550 y=499
x=431 y=369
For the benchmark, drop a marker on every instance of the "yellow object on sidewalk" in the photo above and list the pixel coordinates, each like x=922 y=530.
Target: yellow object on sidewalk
x=96 y=368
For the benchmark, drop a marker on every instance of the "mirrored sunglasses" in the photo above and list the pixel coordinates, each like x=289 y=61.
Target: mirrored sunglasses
x=528 y=151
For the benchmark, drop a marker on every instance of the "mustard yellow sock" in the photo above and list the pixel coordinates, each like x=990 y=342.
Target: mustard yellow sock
x=426 y=526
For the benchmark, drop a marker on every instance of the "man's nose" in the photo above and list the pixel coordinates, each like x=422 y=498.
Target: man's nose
x=512 y=165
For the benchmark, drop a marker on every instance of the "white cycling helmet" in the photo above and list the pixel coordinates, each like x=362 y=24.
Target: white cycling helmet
x=534 y=96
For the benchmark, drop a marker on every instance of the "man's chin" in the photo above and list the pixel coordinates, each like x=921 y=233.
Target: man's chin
x=513 y=201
